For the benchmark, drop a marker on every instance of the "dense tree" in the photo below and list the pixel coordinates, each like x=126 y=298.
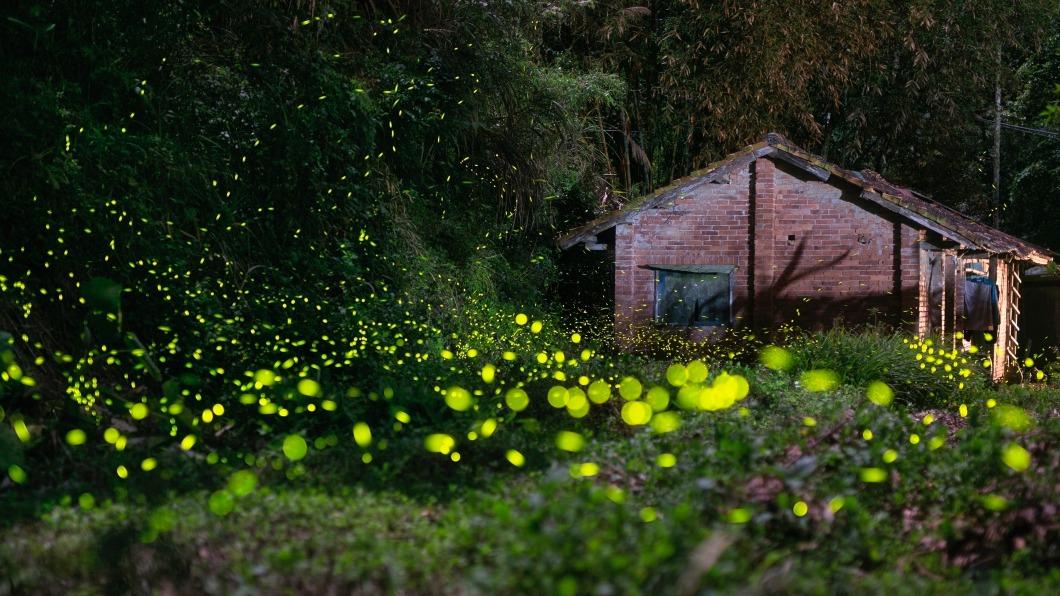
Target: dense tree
x=228 y=159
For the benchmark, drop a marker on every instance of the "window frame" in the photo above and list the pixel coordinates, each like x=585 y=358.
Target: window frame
x=660 y=272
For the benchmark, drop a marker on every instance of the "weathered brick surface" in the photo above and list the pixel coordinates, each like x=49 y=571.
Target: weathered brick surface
x=804 y=250
x=708 y=227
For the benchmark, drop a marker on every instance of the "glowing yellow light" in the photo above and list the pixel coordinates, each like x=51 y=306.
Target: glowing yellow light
x=676 y=374
x=629 y=388
x=879 y=393
x=599 y=392
x=76 y=437
x=775 y=358
x=138 y=411
x=873 y=475
x=1016 y=457
x=586 y=470
x=21 y=430
x=658 y=398
x=309 y=387
x=439 y=443
x=636 y=413
x=265 y=378
x=800 y=508
x=740 y=515
x=515 y=458
x=666 y=422
x=666 y=460
x=819 y=380
x=16 y=474
x=516 y=399
x=569 y=441
x=577 y=404
x=558 y=396
x=362 y=434
x=1012 y=417
x=295 y=447
x=994 y=502
x=458 y=398
x=697 y=371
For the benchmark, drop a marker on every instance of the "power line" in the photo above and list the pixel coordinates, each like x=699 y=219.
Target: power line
x=1042 y=132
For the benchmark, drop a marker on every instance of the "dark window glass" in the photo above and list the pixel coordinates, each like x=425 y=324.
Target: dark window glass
x=692 y=299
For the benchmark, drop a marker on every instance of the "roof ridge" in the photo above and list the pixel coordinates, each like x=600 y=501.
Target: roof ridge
x=904 y=201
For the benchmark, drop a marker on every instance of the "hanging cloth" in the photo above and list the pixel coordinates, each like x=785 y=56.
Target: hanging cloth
x=981 y=304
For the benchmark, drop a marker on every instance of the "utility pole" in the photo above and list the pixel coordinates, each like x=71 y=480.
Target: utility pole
x=997 y=144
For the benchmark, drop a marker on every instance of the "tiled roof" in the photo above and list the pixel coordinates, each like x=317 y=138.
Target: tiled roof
x=950 y=223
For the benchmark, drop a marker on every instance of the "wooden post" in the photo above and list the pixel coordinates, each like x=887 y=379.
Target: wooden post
x=949 y=307
x=1015 y=283
x=1000 y=362
x=958 y=299
x=923 y=318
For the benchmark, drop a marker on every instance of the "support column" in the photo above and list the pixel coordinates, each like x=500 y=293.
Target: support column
x=625 y=296
x=763 y=206
x=923 y=318
x=1000 y=362
x=958 y=299
x=949 y=292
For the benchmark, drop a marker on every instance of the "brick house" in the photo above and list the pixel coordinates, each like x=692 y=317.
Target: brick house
x=774 y=234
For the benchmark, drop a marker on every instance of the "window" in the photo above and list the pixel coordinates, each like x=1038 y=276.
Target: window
x=693 y=295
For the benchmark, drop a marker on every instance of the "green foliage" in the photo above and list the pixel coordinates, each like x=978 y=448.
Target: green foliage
x=263 y=292
x=635 y=525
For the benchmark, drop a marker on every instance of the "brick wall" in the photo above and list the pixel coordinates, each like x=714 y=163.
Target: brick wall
x=804 y=250
x=835 y=255
x=709 y=226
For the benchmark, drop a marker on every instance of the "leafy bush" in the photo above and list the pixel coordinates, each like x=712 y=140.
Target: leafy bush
x=921 y=373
